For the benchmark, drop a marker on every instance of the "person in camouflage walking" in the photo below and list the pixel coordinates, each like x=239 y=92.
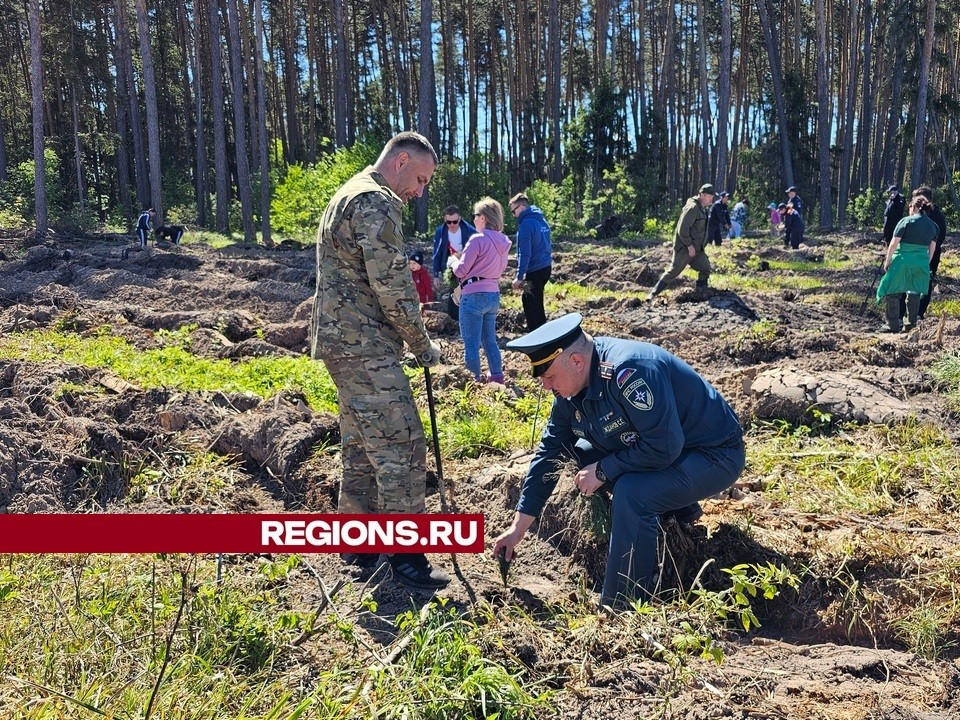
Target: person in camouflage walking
x=364 y=311
x=690 y=241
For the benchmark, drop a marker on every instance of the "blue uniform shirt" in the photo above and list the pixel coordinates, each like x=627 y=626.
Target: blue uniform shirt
x=642 y=406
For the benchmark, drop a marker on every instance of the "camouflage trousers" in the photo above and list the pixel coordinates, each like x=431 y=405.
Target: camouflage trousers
x=383 y=447
x=681 y=259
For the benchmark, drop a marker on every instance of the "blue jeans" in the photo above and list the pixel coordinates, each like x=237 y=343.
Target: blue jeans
x=478 y=326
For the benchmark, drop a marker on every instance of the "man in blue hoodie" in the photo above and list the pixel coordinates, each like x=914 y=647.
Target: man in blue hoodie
x=534 y=260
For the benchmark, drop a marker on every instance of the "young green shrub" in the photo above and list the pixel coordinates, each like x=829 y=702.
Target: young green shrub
x=303 y=193
x=866 y=209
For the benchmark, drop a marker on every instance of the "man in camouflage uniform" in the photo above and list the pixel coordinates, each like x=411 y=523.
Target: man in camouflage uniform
x=365 y=309
x=689 y=241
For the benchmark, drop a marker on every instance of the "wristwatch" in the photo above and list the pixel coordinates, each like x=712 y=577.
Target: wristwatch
x=600 y=474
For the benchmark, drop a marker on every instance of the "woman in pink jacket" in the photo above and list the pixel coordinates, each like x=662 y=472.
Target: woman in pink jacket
x=479 y=267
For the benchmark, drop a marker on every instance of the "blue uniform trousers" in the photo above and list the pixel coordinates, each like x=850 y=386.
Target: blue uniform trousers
x=640 y=498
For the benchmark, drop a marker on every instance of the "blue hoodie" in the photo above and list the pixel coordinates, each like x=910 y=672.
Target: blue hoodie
x=533 y=242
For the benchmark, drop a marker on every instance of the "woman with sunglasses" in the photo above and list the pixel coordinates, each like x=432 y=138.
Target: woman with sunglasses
x=478 y=270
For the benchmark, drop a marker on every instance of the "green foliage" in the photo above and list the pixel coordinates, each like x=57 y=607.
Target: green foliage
x=557 y=203
x=129 y=617
x=17 y=197
x=823 y=467
x=303 y=193
x=456 y=182
x=748 y=581
x=866 y=209
x=926 y=628
x=620 y=193
x=472 y=424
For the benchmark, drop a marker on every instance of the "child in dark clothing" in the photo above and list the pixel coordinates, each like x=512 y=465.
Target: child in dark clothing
x=421 y=277
x=793 y=224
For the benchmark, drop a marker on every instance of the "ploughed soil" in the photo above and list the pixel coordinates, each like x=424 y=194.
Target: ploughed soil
x=71 y=437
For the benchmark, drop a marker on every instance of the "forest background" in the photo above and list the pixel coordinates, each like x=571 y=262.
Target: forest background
x=245 y=115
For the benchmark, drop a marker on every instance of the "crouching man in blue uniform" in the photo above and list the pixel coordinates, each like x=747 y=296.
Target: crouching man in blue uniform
x=641 y=425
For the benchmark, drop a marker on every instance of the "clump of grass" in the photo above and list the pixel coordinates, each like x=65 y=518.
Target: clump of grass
x=173 y=366
x=472 y=423
x=836 y=469
x=926 y=628
x=946 y=369
x=444 y=673
x=181 y=477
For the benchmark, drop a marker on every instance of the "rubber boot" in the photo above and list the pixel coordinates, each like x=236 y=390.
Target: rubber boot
x=702 y=283
x=913 y=309
x=894 y=313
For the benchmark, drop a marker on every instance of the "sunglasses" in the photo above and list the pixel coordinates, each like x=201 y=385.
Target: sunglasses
x=452 y=222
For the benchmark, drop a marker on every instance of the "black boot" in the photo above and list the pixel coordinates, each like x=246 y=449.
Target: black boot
x=701 y=283
x=416 y=571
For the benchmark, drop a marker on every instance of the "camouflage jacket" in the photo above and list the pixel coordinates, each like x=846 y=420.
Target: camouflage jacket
x=692 y=226
x=366 y=304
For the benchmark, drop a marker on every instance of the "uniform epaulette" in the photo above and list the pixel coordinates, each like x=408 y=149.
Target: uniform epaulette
x=606 y=370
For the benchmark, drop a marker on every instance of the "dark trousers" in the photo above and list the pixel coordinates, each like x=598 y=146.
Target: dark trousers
x=925 y=299
x=532 y=298
x=142 y=237
x=640 y=498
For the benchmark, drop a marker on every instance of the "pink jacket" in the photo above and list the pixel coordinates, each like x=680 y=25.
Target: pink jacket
x=484 y=256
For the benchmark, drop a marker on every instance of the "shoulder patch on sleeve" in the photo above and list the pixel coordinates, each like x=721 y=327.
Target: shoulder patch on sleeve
x=606 y=370
x=639 y=394
x=623 y=376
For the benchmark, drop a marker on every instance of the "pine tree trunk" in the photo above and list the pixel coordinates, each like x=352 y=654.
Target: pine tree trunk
x=918 y=170
x=122 y=154
x=845 y=137
x=773 y=52
x=3 y=153
x=262 y=120
x=36 y=95
x=553 y=97
x=341 y=84
x=219 y=131
x=705 y=170
x=867 y=92
x=78 y=152
x=426 y=102
x=153 y=120
x=823 y=116
x=201 y=163
x=723 y=93
x=133 y=104
x=240 y=123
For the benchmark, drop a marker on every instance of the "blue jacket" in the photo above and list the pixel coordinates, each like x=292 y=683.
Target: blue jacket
x=642 y=406
x=533 y=242
x=441 y=245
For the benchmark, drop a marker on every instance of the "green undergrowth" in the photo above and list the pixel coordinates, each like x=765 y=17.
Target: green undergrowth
x=172 y=365
x=559 y=295
x=165 y=636
x=946 y=369
x=472 y=422
x=872 y=470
